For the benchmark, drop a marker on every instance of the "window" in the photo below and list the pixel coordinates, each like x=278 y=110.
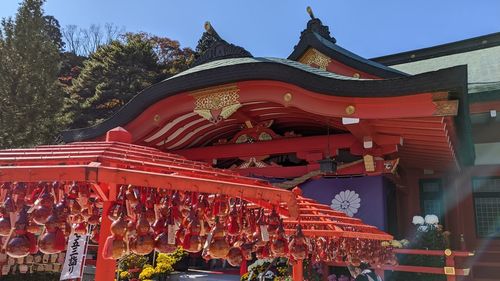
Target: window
x=431 y=198
x=486 y=194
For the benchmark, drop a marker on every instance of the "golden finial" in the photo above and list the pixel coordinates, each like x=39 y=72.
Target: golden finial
x=310 y=12
x=208 y=26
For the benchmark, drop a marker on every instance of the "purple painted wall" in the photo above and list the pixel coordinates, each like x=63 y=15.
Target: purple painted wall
x=371 y=191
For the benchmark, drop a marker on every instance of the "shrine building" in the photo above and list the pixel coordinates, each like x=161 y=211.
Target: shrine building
x=381 y=139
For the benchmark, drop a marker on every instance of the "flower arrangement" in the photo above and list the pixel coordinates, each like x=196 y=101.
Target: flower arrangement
x=429 y=235
x=278 y=267
x=136 y=267
x=147 y=272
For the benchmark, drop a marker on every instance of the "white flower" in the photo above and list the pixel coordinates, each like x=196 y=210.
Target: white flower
x=418 y=220
x=258 y=263
x=431 y=219
x=346 y=201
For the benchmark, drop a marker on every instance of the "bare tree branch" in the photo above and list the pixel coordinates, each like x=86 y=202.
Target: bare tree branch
x=85 y=41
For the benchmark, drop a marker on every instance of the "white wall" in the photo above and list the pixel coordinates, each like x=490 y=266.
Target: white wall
x=487 y=153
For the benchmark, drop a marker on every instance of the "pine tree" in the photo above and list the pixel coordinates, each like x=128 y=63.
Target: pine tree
x=30 y=94
x=118 y=71
x=110 y=78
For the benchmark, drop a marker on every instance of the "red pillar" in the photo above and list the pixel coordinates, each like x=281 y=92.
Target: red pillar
x=298 y=271
x=243 y=267
x=105 y=269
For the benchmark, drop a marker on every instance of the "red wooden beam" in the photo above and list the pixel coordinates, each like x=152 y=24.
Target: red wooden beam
x=277 y=146
x=230 y=187
x=357 y=168
x=482 y=107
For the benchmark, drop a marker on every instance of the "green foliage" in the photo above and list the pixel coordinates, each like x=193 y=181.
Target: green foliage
x=172 y=59
x=178 y=255
x=132 y=261
x=53 y=30
x=109 y=79
x=118 y=71
x=31 y=97
x=429 y=237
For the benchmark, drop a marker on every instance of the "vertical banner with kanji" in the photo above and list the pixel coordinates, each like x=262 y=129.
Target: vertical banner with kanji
x=75 y=257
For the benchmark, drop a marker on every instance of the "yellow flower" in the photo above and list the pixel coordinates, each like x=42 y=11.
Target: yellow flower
x=124 y=275
x=162 y=267
x=396 y=244
x=385 y=244
x=147 y=273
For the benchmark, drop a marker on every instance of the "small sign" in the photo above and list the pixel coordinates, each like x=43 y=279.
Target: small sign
x=264 y=233
x=75 y=257
x=207 y=242
x=5 y=269
x=23 y=268
x=171 y=234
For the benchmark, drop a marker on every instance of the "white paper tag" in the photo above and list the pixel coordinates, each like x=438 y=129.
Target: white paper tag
x=23 y=268
x=264 y=233
x=171 y=234
x=5 y=269
x=30 y=210
x=207 y=242
x=13 y=218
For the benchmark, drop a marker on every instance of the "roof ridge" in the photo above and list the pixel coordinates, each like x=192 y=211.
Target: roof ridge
x=450 y=48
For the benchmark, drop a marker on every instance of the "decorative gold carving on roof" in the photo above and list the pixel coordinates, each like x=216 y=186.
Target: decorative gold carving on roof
x=217 y=104
x=314 y=57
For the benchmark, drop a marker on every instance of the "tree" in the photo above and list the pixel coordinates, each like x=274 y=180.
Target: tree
x=172 y=59
x=31 y=97
x=110 y=78
x=85 y=41
x=118 y=71
x=53 y=30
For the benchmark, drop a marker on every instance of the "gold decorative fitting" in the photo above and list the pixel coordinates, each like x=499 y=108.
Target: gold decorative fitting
x=207 y=26
x=313 y=56
x=287 y=97
x=449 y=270
x=218 y=103
x=350 y=109
x=156 y=118
x=369 y=162
x=356 y=75
x=310 y=12
x=447 y=252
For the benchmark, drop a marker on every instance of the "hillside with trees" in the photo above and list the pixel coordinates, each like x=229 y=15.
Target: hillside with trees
x=54 y=78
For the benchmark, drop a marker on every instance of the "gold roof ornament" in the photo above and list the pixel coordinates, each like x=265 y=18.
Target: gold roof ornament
x=310 y=12
x=207 y=26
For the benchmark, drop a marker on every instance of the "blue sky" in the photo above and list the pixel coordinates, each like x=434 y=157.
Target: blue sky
x=271 y=28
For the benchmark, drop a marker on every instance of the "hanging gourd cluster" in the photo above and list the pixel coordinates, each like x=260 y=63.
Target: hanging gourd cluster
x=40 y=216
x=148 y=219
